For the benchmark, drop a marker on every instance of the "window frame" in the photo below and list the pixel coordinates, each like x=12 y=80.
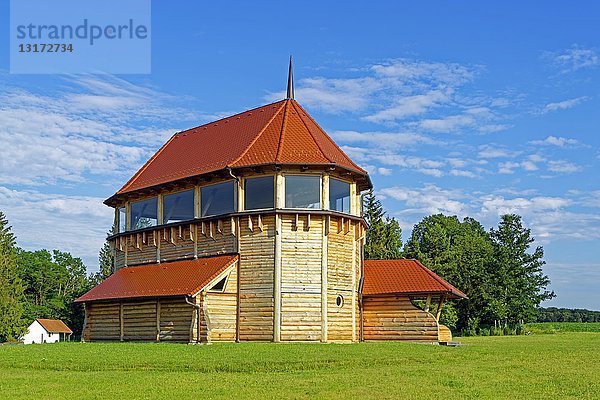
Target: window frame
x=349 y=194
x=235 y=197
x=162 y=205
x=130 y=207
x=320 y=176
x=245 y=179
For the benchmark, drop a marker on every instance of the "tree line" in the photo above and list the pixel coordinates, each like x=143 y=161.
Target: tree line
x=41 y=284
x=499 y=270
x=553 y=314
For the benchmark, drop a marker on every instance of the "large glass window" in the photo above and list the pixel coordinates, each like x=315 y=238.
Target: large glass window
x=178 y=206
x=218 y=199
x=302 y=191
x=339 y=195
x=259 y=193
x=144 y=213
x=122 y=220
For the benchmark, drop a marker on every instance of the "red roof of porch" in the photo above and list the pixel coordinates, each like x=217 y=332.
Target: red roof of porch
x=404 y=277
x=178 y=278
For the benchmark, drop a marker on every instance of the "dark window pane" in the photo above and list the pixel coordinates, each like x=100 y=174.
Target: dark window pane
x=259 y=193
x=122 y=219
x=178 y=207
x=339 y=195
x=218 y=199
x=144 y=213
x=302 y=191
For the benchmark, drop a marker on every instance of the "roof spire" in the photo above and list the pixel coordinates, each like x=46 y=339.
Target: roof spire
x=290 y=83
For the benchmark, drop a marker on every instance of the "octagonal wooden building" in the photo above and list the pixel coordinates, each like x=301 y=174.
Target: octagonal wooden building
x=248 y=228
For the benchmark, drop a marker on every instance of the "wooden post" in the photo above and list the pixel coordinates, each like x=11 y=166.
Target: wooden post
x=354 y=289
x=277 y=281
x=428 y=303
x=158 y=320
x=324 y=286
x=439 y=310
x=237 y=301
x=122 y=333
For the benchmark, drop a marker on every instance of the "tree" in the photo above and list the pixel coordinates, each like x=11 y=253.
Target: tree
x=11 y=287
x=53 y=280
x=462 y=253
x=384 y=235
x=521 y=283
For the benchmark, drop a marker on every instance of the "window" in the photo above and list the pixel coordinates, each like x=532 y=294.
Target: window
x=302 y=191
x=218 y=199
x=122 y=220
x=339 y=301
x=144 y=213
x=178 y=207
x=339 y=195
x=259 y=193
x=219 y=286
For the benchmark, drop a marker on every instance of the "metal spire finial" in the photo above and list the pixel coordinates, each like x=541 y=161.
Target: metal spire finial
x=290 y=85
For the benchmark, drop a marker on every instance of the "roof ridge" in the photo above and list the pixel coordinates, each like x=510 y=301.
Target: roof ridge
x=438 y=278
x=328 y=137
x=264 y=128
x=283 y=123
x=147 y=164
x=231 y=116
x=310 y=133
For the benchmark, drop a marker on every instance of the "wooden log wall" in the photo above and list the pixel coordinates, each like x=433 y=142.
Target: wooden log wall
x=257 y=260
x=301 y=257
x=142 y=320
x=340 y=280
x=176 y=243
x=220 y=311
x=396 y=318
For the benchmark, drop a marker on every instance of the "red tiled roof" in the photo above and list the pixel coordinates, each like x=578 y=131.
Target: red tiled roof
x=404 y=276
x=278 y=133
x=177 y=278
x=54 y=325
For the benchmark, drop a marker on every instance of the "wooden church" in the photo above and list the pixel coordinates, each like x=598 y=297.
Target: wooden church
x=250 y=228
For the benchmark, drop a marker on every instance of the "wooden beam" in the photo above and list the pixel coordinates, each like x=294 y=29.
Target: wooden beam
x=324 y=285
x=121 y=330
x=277 y=281
x=158 y=320
x=439 y=310
x=428 y=303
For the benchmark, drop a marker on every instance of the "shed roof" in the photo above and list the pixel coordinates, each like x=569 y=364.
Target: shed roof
x=54 y=325
x=277 y=133
x=178 y=278
x=404 y=277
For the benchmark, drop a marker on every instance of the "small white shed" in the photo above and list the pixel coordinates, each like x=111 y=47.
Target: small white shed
x=47 y=331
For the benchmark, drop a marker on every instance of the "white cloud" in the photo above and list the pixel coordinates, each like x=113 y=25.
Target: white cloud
x=575 y=58
x=555 y=141
x=410 y=106
x=565 y=104
x=76 y=224
x=382 y=139
x=493 y=150
x=563 y=167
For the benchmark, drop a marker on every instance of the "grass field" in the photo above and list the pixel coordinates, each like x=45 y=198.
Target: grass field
x=563 y=365
x=556 y=327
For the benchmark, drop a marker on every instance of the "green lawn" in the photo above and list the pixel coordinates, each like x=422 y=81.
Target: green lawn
x=563 y=365
x=556 y=327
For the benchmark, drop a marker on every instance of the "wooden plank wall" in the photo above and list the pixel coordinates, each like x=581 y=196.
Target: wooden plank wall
x=340 y=281
x=138 y=320
x=257 y=263
x=140 y=248
x=395 y=318
x=301 y=256
x=175 y=244
x=220 y=311
x=103 y=322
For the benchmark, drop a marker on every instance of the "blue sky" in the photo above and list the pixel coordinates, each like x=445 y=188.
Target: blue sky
x=462 y=108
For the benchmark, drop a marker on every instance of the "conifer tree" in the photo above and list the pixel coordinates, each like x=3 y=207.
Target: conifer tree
x=11 y=287
x=384 y=235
